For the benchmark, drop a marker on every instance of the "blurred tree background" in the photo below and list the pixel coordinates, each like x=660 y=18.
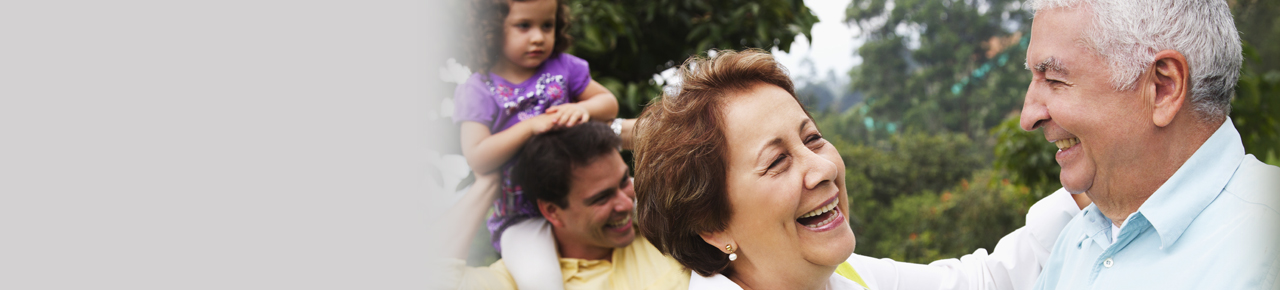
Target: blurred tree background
x=936 y=163
x=628 y=42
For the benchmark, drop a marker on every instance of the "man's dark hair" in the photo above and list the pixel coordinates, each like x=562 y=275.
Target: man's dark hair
x=545 y=164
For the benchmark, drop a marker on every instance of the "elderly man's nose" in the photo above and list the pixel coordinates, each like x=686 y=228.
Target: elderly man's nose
x=1034 y=112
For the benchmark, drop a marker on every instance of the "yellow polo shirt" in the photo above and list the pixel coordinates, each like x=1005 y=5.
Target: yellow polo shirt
x=638 y=266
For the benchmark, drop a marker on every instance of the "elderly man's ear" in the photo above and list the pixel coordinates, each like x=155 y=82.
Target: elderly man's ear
x=1170 y=77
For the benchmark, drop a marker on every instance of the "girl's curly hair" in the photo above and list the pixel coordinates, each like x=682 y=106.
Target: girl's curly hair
x=486 y=38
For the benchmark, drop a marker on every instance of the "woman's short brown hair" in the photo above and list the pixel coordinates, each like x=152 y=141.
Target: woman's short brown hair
x=486 y=38
x=680 y=155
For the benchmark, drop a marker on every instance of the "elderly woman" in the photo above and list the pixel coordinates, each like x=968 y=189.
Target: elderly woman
x=735 y=181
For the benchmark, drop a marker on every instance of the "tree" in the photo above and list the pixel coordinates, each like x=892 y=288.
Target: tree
x=1256 y=107
x=941 y=65
x=1027 y=157
x=628 y=42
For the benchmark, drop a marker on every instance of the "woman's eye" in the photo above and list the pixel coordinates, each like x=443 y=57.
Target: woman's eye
x=522 y=25
x=813 y=138
x=777 y=161
x=814 y=141
x=547 y=26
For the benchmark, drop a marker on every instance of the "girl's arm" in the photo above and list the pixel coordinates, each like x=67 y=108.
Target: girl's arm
x=486 y=152
x=595 y=103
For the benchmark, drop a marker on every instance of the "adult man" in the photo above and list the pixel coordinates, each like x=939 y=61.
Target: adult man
x=584 y=192
x=1136 y=95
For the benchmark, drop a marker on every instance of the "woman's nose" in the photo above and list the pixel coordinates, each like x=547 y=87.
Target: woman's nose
x=819 y=170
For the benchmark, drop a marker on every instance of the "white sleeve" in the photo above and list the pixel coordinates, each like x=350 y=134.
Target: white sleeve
x=529 y=251
x=1015 y=264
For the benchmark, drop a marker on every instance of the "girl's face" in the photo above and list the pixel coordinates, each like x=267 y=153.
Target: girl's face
x=786 y=186
x=529 y=33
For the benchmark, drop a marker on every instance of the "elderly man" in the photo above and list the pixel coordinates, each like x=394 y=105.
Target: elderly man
x=1135 y=94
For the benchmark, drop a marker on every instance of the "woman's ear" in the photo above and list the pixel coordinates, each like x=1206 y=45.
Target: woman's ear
x=1170 y=78
x=721 y=240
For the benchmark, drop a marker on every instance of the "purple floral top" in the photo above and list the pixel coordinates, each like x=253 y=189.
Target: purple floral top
x=499 y=104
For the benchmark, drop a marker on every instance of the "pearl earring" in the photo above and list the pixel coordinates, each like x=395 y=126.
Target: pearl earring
x=732 y=256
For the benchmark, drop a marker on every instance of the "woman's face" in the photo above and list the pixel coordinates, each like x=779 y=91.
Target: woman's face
x=786 y=187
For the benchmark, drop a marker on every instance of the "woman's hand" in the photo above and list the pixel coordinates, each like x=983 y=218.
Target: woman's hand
x=569 y=115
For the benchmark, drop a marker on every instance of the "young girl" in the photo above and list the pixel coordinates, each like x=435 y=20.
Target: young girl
x=526 y=86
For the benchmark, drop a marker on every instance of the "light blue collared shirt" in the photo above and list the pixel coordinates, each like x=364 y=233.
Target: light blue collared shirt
x=1215 y=224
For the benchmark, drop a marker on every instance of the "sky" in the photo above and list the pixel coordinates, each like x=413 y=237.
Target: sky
x=832 y=47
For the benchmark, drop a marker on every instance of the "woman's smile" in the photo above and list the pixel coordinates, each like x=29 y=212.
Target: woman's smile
x=823 y=218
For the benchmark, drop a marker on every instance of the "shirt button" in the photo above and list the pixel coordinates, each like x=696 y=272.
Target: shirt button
x=1108 y=263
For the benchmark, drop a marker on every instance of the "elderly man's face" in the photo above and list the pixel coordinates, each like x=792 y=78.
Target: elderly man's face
x=1097 y=129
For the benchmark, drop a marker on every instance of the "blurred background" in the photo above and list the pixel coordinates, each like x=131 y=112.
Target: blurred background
x=921 y=97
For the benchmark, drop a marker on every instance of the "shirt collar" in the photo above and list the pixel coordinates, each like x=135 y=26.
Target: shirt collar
x=1197 y=183
x=1097 y=227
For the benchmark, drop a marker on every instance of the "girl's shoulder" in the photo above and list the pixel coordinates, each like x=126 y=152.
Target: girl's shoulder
x=566 y=61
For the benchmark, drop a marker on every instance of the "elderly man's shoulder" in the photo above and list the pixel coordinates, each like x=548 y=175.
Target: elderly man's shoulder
x=1256 y=182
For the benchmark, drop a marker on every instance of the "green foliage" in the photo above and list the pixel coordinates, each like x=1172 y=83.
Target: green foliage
x=908 y=163
x=1027 y=156
x=1258 y=25
x=947 y=72
x=1256 y=109
x=893 y=185
x=627 y=42
x=974 y=213
x=965 y=74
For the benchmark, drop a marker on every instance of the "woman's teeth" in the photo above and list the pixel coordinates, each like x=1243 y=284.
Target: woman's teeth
x=1066 y=143
x=819 y=211
x=823 y=222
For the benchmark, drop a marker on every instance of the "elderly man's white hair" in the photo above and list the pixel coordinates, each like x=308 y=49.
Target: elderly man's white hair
x=1128 y=34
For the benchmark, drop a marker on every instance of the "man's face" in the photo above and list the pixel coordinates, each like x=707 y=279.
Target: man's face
x=601 y=203
x=1098 y=130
